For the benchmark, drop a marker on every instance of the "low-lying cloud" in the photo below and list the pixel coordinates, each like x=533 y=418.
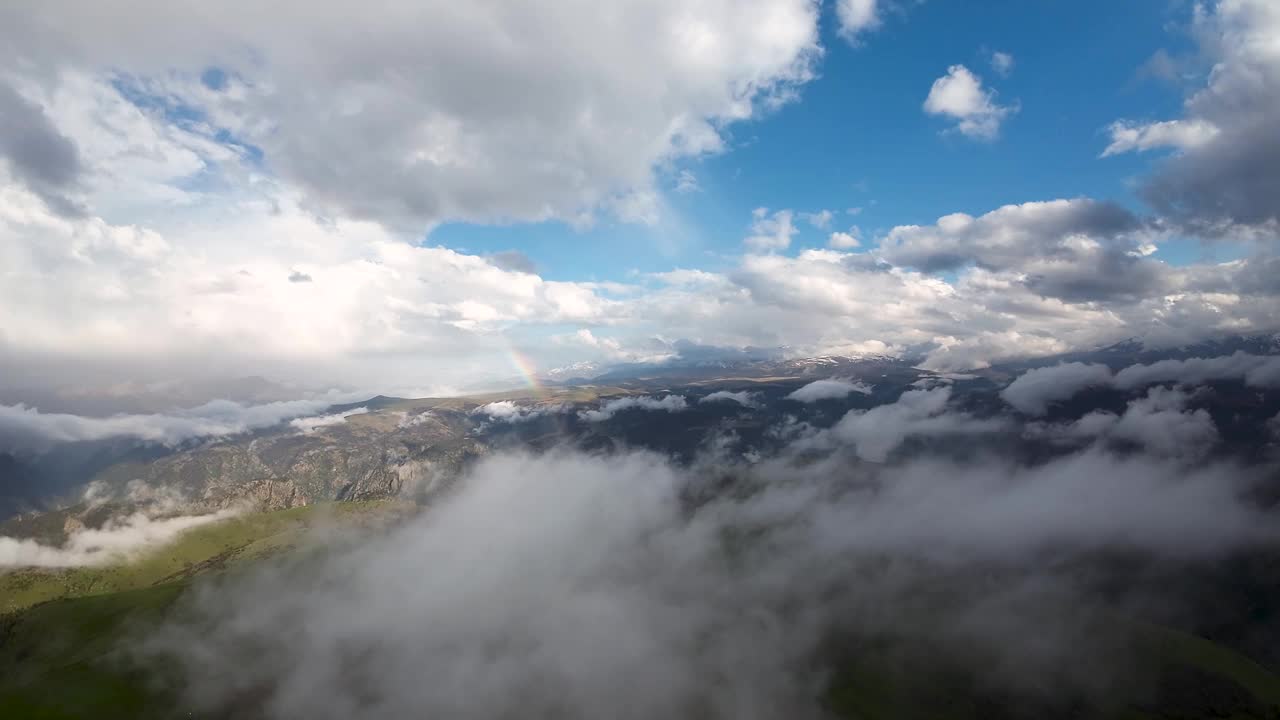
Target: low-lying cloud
x=1036 y=390
x=315 y=422
x=509 y=411
x=23 y=427
x=582 y=585
x=743 y=398
x=830 y=388
x=666 y=403
x=117 y=540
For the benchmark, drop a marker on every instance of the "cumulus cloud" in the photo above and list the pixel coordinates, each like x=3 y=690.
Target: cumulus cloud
x=550 y=135
x=960 y=96
x=856 y=17
x=666 y=403
x=1035 y=390
x=845 y=240
x=743 y=398
x=1227 y=174
x=115 y=541
x=311 y=424
x=602 y=586
x=829 y=388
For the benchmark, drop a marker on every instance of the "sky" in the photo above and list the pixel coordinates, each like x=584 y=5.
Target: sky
x=415 y=197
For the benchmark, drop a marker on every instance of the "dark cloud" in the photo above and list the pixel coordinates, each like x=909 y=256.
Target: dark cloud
x=37 y=153
x=1229 y=178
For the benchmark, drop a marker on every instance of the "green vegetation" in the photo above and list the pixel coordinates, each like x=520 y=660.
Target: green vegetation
x=201 y=549
x=63 y=632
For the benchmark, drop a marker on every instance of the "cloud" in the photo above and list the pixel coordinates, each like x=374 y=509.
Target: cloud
x=1002 y=63
x=299 y=277
x=602 y=586
x=770 y=231
x=743 y=398
x=401 y=135
x=845 y=240
x=118 y=539
x=1126 y=137
x=1076 y=250
x=820 y=220
x=509 y=411
x=1254 y=370
x=667 y=403
x=1035 y=390
x=27 y=427
x=37 y=154
x=1227 y=174
x=856 y=17
x=877 y=432
x=959 y=95
x=311 y=424
x=513 y=261
x=1159 y=423
x=687 y=182
x=829 y=388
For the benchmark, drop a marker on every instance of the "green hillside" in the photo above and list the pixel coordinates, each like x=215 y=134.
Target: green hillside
x=61 y=635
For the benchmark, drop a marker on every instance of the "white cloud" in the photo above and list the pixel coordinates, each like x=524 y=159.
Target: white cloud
x=117 y=540
x=829 y=388
x=311 y=424
x=770 y=231
x=877 y=432
x=400 y=133
x=1035 y=390
x=820 y=220
x=666 y=403
x=28 y=427
x=960 y=95
x=509 y=411
x=1181 y=134
x=845 y=240
x=1254 y=370
x=743 y=398
x=856 y=17
x=687 y=182
x=1002 y=63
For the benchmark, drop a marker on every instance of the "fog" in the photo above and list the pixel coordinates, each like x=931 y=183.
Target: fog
x=119 y=539
x=582 y=585
x=27 y=428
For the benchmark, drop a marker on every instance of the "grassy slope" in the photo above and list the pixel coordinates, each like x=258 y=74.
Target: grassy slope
x=59 y=658
x=208 y=547
x=60 y=629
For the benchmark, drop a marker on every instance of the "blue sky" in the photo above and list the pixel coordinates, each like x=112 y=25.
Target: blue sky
x=400 y=199
x=857 y=137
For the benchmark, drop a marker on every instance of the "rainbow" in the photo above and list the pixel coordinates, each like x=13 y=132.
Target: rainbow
x=528 y=372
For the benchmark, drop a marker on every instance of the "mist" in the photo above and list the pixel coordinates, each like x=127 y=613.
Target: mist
x=578 y=585
x=118 y=540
